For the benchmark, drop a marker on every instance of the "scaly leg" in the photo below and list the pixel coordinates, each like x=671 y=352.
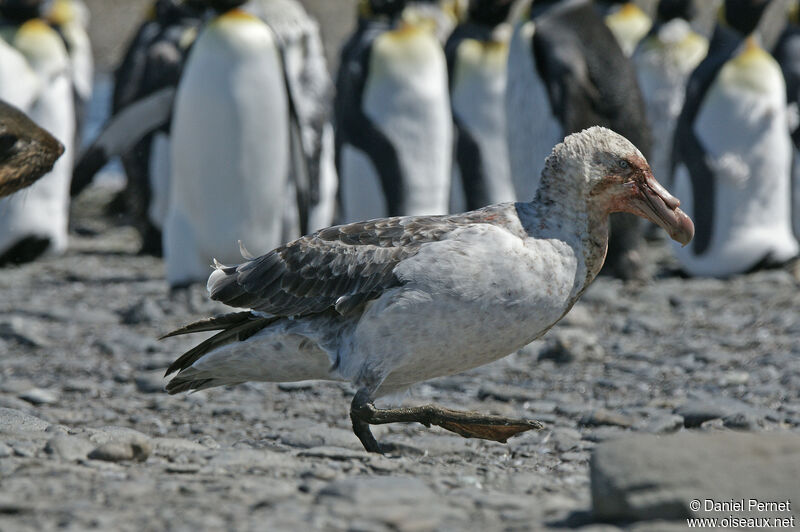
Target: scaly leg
x=468 y=424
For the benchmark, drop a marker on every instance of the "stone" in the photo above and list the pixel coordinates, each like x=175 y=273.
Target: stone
x=333 y=453
x=319 y=435
x=601 y=416
x=39 y=396
x=568 y=344
x=143 y=311
x=646 y=477
x=150 y=382
x=697 y=411
x=5 y=450
x=118 y=451
x=26 y=332
x=70 y=448
x=16 y=421
x=664 y=423
x=117 y=444
x=743 y=421
x=176 y=446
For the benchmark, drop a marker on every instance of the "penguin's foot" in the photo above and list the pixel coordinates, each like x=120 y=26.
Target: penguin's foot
x=467 y=424
x=27 y=249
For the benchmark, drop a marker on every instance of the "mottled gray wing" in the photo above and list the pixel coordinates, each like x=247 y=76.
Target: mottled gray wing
x=337 y=268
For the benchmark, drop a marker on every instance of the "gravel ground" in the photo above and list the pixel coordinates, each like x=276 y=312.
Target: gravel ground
x=106 y=449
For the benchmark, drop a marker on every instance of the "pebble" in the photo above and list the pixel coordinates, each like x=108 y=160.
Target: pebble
x=664 y=423
x=150 y=382
x=5 y=450
x=698 y=411
x=122 y=451
x=143 y=311
x=69 y=448
x=39 y=396
x=16 y=421
x=333 y=453
x=567 y=344
x=601 y=416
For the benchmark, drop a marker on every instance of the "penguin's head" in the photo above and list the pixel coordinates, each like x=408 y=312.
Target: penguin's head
x=221 y=6
x=171 y=10
x=742 y=15
x=671 y=9
x=64 y=12
x=381 y=8
x=19 y=11
x=489 y=12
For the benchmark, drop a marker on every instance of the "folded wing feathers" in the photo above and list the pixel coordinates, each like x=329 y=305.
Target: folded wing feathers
x=339 y=267
x=236 y=327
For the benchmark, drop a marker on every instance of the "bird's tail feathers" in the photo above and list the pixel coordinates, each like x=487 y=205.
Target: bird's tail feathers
x=234 y=327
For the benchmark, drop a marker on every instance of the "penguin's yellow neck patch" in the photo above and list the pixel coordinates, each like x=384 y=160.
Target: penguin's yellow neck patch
x=631 y=10
x=61 y=13
x=751 y=54
x=237 y=14
x=35 y=26
x=753 y=69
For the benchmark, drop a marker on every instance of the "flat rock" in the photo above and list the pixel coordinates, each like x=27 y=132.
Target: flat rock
x=695 y=412
x=143 y=311
x=568 y=344
x=16 y=421
x=39 y=396
x=370 y=490
x=115 y=451
x=176 y=446
x=664 y=423
x=70 y=448
x=648 y=477
x=334 y=453
x=150 y=382
x=118 y=444
x=601 y=416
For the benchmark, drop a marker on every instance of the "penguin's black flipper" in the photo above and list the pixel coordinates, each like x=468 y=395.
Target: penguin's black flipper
x=591 y=82
x=787 y=53
x=354 y=127
x=687 y=148
x=468 y=155
x=122 y=133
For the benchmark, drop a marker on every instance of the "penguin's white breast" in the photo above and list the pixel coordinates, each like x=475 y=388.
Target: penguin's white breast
x=406 y=96
x=533 y=130
x=230 y=155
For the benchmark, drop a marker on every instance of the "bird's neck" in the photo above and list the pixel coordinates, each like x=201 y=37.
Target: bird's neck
x=563 y=210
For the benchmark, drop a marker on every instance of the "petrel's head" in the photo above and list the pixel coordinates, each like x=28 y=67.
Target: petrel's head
x=613 y=176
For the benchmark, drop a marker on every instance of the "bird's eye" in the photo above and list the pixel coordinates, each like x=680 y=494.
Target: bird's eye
x=624 y=164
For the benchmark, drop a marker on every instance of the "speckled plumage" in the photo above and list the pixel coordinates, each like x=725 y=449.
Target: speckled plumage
x=391 y=302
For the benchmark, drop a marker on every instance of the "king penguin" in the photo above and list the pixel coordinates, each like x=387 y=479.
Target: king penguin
x=151 y=67
x=787 y=53
x=733 y=153
x=313 y=180
x=392 y=118
x=567 y=73
x=477 y=57
x=664 y=60
x=70 y=18
x=230 y=147
x=627 y=22
x=35 y=221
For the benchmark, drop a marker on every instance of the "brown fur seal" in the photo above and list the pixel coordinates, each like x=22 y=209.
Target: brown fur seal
x=27 y=152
